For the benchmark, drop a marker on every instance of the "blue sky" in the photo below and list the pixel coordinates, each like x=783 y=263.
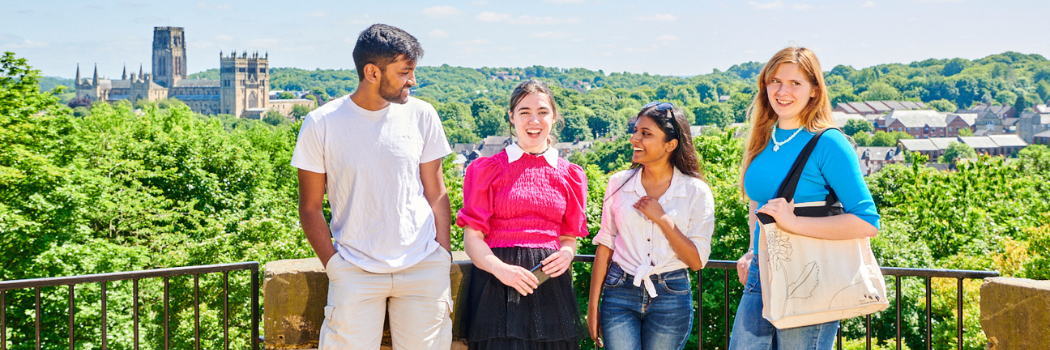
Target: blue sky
x=660 y=37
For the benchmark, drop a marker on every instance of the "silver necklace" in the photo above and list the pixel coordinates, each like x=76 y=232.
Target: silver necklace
x=777 y=144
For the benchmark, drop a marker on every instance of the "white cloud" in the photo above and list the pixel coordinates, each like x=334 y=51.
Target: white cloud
x=492 y=17
x=868 y=4
x=438 y=33
x=548 y=35
x=801 y=7
x=480 y=3
x=565 y=1
x=667 y=38
x=21 y=43
x=658 y=17
x=766 y=5
x=206 y=6
x=264 y=43
x=524 y=19
x=321 y=14
x=441 y=11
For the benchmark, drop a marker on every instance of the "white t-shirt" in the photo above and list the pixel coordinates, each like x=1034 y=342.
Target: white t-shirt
x=639 y=245
x=380 y=219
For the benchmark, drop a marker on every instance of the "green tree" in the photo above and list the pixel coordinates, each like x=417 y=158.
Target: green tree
x=1006 y=98
x=965 y=132
x=707 y=91
x=943 y=105
x=299 y=111
x=491 y=120
x=285 y=95
x=955 y=151
x=863 y=139
x=719 y=114
x=888 y=139
x=880 y=92
x=273 y=117
x=576 y=128
x=853 y=126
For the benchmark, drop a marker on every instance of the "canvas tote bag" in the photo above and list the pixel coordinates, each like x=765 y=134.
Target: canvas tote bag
x=807 y=281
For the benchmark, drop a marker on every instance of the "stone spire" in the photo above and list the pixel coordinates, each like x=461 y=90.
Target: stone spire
x=124 y=76
x=140 y=70
x=78 y=74
x=94 y=80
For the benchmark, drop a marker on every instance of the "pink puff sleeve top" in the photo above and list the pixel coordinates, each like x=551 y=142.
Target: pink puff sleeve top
x=524 y=203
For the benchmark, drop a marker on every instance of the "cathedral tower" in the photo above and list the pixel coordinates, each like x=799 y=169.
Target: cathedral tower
x=244 y=82
x=169 y=55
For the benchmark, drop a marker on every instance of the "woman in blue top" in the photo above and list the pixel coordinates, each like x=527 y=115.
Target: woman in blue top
x=790 y=106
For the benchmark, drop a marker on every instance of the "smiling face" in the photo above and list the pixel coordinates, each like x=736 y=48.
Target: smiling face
x=648 y=142
x=397 y=78
x=533 y=117
x=789 y=92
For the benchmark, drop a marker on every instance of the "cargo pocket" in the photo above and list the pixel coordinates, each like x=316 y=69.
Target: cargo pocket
x=326 y=339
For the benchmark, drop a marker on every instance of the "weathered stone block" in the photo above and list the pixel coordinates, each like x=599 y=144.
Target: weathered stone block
x=296 y=292
x=1015 y=313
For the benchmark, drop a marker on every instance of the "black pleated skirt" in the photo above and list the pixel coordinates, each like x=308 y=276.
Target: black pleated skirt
x=501 y=318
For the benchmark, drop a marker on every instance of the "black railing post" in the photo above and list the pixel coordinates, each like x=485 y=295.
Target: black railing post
x=135 y=312
x=104 y=343
x=226 y=310
x=3 y=320
x=166 y=334
x=700 y=306
x=72 y=311
x=960 y=318
x=38 y=318
x=255 y=307
x=929 y=315
x=725 y=310
x=196 y=312
x=898 y=296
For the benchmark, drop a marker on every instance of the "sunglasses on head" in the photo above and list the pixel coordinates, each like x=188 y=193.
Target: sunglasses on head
x=660 y=106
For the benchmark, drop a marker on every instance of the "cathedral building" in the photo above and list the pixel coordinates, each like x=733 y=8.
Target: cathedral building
x=243 y=88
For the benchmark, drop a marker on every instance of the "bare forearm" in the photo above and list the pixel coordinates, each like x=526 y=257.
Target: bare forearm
x=443 y=220
x=318 y=234
x=602 y=258
x=680 y=244
x=846 y=226
x=568 y=243
x=479 y=252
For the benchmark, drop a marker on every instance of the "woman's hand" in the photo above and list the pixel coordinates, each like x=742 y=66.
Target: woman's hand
x=781 y=210
x=557 y=263
x=743 y=265
x=594 y=327
x=650 y=207
x=517 y=277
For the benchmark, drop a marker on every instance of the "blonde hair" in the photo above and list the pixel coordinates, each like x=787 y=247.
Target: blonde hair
x=815 y=116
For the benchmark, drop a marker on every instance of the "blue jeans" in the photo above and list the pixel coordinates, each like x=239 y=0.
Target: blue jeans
x=630 y=319
x=751 y=331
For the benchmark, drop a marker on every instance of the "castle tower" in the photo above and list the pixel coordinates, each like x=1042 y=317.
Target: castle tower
x=77 y=82
x=244 y=82
x=169 y=55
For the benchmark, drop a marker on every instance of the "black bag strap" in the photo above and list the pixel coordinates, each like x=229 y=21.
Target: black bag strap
x=787 y=188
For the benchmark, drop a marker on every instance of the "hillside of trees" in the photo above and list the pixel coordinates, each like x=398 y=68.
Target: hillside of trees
x=117 y=189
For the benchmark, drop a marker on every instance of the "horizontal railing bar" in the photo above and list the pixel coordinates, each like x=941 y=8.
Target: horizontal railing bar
x=120 y=276
x=892 y=271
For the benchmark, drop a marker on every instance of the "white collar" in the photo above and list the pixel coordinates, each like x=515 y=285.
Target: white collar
x=514 y=152
x=674 y=189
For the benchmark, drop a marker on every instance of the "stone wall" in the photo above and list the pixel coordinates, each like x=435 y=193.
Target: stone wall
x=296 y=291
x=1015 y=313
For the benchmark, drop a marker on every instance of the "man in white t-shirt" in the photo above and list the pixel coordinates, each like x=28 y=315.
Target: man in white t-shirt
x=377 y=154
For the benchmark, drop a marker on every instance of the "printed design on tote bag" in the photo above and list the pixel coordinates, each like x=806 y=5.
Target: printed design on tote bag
x=805 y=283
x=778 y=246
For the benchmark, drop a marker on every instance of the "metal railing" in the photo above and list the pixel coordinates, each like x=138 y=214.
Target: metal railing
x=135 y=276
x=729 y=267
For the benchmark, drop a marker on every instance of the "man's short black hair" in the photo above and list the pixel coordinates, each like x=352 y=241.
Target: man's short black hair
x=381 y=44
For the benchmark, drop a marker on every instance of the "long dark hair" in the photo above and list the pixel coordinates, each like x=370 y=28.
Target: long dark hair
x=675 y=127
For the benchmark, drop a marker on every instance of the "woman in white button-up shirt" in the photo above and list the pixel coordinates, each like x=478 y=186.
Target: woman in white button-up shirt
x=657 y=220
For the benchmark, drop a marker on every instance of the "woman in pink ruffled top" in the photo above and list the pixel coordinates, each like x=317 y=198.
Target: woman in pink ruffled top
x=524 y=208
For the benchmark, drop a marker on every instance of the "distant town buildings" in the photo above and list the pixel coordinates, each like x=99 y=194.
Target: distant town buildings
x=242 y=89
x=877 y=107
